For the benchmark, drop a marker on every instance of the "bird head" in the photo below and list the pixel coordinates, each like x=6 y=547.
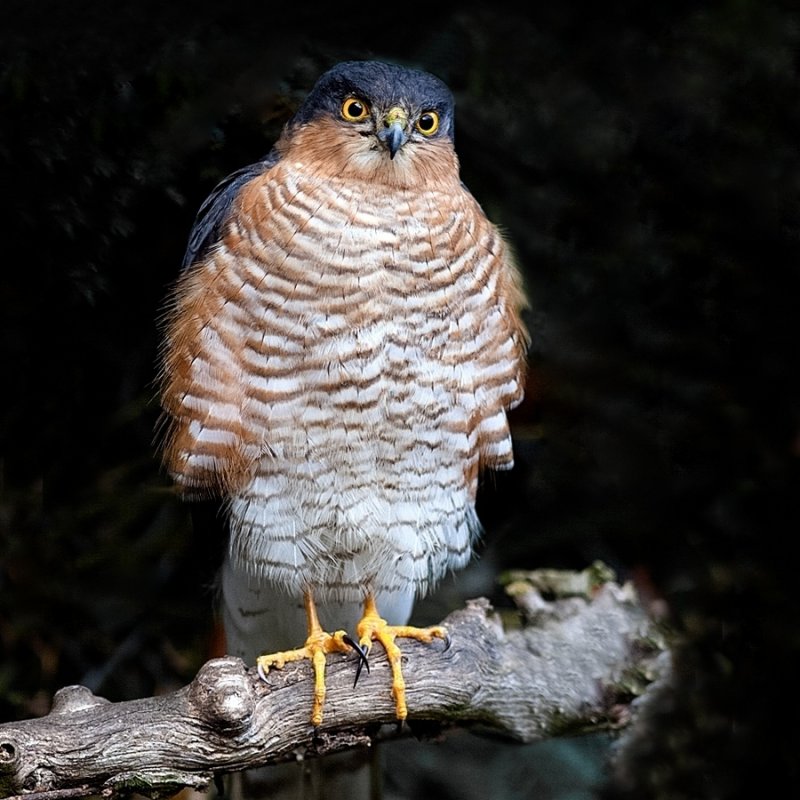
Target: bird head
x=375 y=121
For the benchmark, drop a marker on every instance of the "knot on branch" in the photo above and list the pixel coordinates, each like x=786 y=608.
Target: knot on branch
x=222 y=694
x=8 y=757
x=75 y=698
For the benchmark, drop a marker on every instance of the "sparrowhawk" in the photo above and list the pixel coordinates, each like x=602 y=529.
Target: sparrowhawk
x=341 y=349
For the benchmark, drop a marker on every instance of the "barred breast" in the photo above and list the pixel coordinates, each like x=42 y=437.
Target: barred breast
x=339 y=368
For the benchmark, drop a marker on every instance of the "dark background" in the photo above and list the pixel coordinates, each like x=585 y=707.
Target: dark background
x=643 y=160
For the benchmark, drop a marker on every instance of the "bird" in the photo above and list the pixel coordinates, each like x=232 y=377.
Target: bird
x=340 y=352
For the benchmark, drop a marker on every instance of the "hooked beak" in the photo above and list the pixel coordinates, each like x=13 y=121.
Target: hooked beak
x=393 y=134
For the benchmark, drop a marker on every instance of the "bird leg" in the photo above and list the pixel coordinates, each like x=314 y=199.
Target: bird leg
x=317 y=646
x=373 y=628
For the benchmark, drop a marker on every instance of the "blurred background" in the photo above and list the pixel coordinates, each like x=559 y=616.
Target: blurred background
x=642 y=159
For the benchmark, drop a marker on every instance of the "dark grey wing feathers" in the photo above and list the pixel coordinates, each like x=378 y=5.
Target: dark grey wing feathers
x=211 y=217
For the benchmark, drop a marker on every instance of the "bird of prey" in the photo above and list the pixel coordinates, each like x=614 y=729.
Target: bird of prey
x=340 y=352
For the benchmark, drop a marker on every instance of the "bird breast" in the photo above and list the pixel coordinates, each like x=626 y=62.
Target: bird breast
x=340 y=366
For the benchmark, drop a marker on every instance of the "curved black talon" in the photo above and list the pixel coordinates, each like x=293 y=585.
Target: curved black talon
x=447 y=642
x=363 y=661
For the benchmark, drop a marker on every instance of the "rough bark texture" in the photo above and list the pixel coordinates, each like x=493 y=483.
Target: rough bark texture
x=575 y=666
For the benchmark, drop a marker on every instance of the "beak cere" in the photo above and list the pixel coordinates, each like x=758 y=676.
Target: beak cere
x=393 y=134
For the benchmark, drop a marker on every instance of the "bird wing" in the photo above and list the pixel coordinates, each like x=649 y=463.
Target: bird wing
x=214 y=212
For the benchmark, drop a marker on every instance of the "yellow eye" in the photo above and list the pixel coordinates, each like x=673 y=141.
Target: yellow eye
x=428 y=123
x=354 y=110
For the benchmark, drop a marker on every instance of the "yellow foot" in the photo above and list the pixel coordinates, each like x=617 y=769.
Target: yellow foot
x=373 y=628
x=317 y=646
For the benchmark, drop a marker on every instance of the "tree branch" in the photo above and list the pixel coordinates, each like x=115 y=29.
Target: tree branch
x=576 y=666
